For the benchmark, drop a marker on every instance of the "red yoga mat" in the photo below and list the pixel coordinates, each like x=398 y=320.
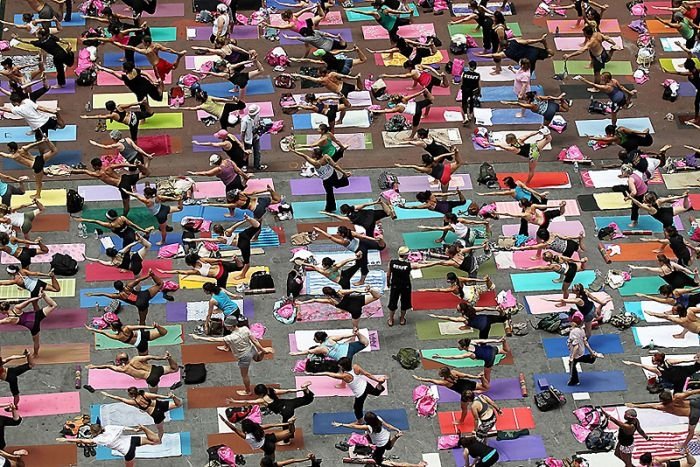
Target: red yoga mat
x=160 y=145
x=425 y=301
x=208 y=353
x=51 y=223
x=540 y=180
x=694 y=201
x=48 y=455
x=211 y=397
x=95 y=272
x=516 y=418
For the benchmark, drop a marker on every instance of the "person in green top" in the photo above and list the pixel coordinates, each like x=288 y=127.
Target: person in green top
x=685 y=28
x=388 y=18
x=325 y=144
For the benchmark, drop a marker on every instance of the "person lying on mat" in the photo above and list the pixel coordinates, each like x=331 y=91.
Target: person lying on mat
x=335 y=272
x=530 y=151
x=685 y=460
x=674 y=274
x=475 y=450
x=117 y=438
x=673 y=373
x=578 y=344
x=359 y=215
x=20 y=248
x=14 y=459
x=480 y=349
x=249 y=201
x=336 y=347
x=29 y=281
x=140 y=367
x=14 y=420
x=415 y=51
x=540 y=215
x=620 y=97
x=327 y=105
x=472 y=318
x=155 y=203
x=460 y=226
x=219 y=269
x=357 y=243
x=670 y=296
x=565 y=267
x=684 y=317
x=456 y=381
x=424 y=76
x=267 y=461
x=466 y=288
x=652 y=204
x=357 y=379
x=236 y=74
x=138 y=336
x=680 y=405
x=561 y=244
x=23 y=156
x=440 y=168
x=133 y=294
x=679 y=245
x=153 y=404
x=138 y=82
x=124 y=259
x=520 y=48
x=15 y=314
x=628 y=139
x=593 y=44
x=465 y=259
x=327 y=169
x=590 y=306
x=9 y=375
x=121 y=226
x=349 y=301
x=337 y=83
x=268 y=397
x=547 y=106
x=151 y=50
x=126 y=115
x=258 y=436
x=331 y=62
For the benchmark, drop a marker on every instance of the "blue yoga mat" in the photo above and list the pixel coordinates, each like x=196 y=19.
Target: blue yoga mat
x=176 y=414
x=75 y=20
x=591 y=381
x=503 y=93
x=105 y=453
x=597 y=127
x=542 y=281
x=112 y=59
x=90 y=302
x=302 y=121
x=63 y=157
x=555 y=347
x=323 y=421
x=254 y=87
x=214 y=214
x=507 y=117
x=646 y=222
x=311 y=209
x=18 y=134
x=276 y=4
x=170 y=237
x=636 y=309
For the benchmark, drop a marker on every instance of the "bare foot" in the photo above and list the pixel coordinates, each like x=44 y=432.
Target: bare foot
x=244 y=393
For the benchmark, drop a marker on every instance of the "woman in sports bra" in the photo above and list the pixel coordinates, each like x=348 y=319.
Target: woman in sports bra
x=20 y=248
x=123 y=113
x=519 y=190
x=455 y=380
x=398 y=103
x=477 y=452
x=536 y=214
x=358 y=214
x=335 y=347
x=154 y=203
x=333 y=271
x=324 y=105
x=357 y=243
x=155 y=405
x=590 y=306
x=249 y=201
x=138 y=336
x=15 y=314
x=268 y=397
x=124 y=259
x=440 y=167
x=227 y=170
x=561 y=244
x=530 y=151
x=547 y=106
x=464 y=259
x=565 y=267
x=432 y=146
x=437 y=202
x=208 y=267
x=674 y=274
x=326 y=167
x=424 y=76
x=121 y=226
x=460 y=227
x=292 y=20
x=620 y=97
x=484 y=410
x=466 y=288
x=225 y=110
x=472 y=318
x=664 y=214
x=349 y=301
x=29 y=281
x=138 y=82
x=480 y=349
x=36 y=162
x=255 y=435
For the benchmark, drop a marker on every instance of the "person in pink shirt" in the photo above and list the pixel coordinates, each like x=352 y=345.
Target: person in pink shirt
x=521 y=84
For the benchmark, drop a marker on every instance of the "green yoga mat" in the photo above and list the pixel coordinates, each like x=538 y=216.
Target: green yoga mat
x=469 y=28
x=461 y=363
x=578 y=67
x=542 y=281
x=173 y=337
x=439 y=272
x=428 y=329
x=646 y=284
x=667 y=63
x=139 y=216
x=169 y=121
x=166 y=34
x=355 y=17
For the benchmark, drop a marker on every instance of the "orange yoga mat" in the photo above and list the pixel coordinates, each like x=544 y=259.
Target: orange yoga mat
x=540 y=180
x=208 y=353
x=429 y=364
x=240 y=446
x=50 y=354
x=657 y=27
x=516 y=418
x=694 y=201
x=48 y=455
x=51 y=223
x=213 y=397
x=638 y=251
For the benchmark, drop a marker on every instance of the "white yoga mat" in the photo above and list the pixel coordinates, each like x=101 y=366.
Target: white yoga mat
x=500 y=137
x=648 y=417
x=485 y=72
x=450 y=328
x=356 y=98
x=223 y=428
x=669 y=44
x=606 y=178
x=305 y=339
x=663 y=336
x=432 y=459
x=169 y=447
x=397 y=139
x=197 y=311
x=647 y=361
x=353 y=119
x=608 y=459
x=656 y=307
x=125 y=415
x=483 y=116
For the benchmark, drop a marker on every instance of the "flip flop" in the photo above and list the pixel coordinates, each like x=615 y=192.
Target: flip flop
x=176 y=385
x=402 y=321
x=390 y=322
x=88 y=388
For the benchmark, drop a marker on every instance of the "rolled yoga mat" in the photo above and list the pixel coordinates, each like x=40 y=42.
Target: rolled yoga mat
x=323 y=421
x=542 y=281
x=555 y=347
x=591 y=381
x=517 y=418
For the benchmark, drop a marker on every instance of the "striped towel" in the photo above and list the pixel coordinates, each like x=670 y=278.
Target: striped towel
x=663 y=443
x=315 y=281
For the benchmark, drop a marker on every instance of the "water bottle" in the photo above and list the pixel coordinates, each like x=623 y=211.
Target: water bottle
x=88 y=106
x=576 y=166
x=651 y=345
x=556 y=32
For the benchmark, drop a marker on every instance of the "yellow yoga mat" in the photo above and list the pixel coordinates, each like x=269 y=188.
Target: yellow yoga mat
x=681 y=180
x=123 y=98
x=195 y=282
x=399 y=59
x=30 y=48
x=55 y=197
x=611 y=201
x=12 y=291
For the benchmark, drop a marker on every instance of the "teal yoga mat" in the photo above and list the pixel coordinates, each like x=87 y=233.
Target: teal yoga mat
x=173 y=337
x=459 y=363
x=597 y=127
x=355 y=17
x=644 y=284
x=542 y=281
x=311 y=209
x=646 y=222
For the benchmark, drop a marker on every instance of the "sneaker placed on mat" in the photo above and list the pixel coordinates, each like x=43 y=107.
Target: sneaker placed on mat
x=545 y=131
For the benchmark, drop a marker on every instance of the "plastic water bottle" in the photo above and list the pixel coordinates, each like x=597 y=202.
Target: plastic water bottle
x=556 y=32
x=576 y=166
x=652 y=346
x=88 y=106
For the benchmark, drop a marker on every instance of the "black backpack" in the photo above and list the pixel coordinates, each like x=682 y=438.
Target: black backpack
x=74 y=202
x=195 y=373
x=87 y=77
x=295 y=283
x=606 y=233
x=550 y=399
x=458 y=49
x=599 y=440
x=550 y=323
x=596 y=107
x=261 y=280
x=318 y=364
x=387 y=180
x=64 y=265
x=487 y=175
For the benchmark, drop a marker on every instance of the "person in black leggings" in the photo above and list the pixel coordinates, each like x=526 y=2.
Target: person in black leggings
x=9 y=375
x=111 y=436
x=349 y=301
x=15 y=420
x=471 y=318
x=456 y=380
x=357 y=243
x=672 y=373
x=652 y=204
x=365 y=218
x=269 y=397
x=628 y=139
x=483 y=454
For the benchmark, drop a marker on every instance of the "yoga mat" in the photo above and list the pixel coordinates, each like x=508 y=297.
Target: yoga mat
x=218 y=190
x=326 y=312
x=48 y=455
x=138 y=215
x=485 y=72
x=517 y=418
x=542 y=281
x=51 y=354
x=568 y=228
x=105 y=79
x=663 y=336
x=315 y=282
x=568 y=26
x=75 y=20
x=62 y=318
x=240 y=446
x=169 y=121
x=314 y=186
x=353 y=16
x=18 y=134
x=311 y=209
x=502 y=93
x=398 y=139
x=408 y=214
x=352 y=141
x=520 y=449
x=240 y=32
x=580 y=67
x=353 y=118
x=67 y=290
x=575 y=43
x=208 y=353
x=471 y=29
x=508 y=117
x=597 y=127
x=163 y=10
x=172 y=445
x=611 y=201
x=108 y=379
x=555 y=347
x=112 y=59
x=640 y=309
x=580 y=91
x=89 y=302
x=304 y=340
x=669 y=44
x=255 y=87
x=195 y=282
x=331 y=18
x=646 y=222
x=428 y=354
x=344 y=33
x=591 y=381
x=418 y=183
x=323 y=421
x=637 y=251
x=75 y=250
x=539 y=304
x=42 y=405
x=173 y=337
x=501 y=389
x=429 y=329
x=675 y=64
x=424 y=301
x=426 y=240
x=63 y=157
x=323 y=386
x=439 y=272
x=211 y=397
x=512 y=207
x=437 y=115
x=410 y=31
x=127 y=415
x=646 y=284
x=122 y=98
x=680 y=180
x=31 y=48
x=95 y=272
x=197 y=311
x=441 y=56
x=657 y=27
x=51 y=197
x=540 y=180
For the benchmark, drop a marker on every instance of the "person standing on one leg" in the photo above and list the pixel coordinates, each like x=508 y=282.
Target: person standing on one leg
x=578 y=344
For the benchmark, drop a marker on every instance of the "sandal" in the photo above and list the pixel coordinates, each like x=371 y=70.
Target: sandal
x=402 y=321
x=390 y=322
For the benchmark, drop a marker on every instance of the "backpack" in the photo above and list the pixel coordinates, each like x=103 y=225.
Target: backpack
x=64 y=265
x=396 y=123
x=669 y=95
x=195 y=373
x=284 y=81
x=550 y=323
x=600 y=440
x=408 y=358
x=236 y=414
x=549 y=399
x=295 y=283
x=606 y=233
x=87 y=77
x=261 y=280
x=387 y=180
x=596 y=107
x=458 y=48
x=288 y=104
x=74 y=202
x=487 y=175
x=624 y=321
x=318 y=364
x=426 y=403
x=229 y=458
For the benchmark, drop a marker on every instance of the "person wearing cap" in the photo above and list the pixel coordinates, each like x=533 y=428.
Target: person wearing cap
x=234 y=149
x=220 y=25
x=578 y=344
x=320 y=40
x=124 y=114
x=250 y=132
x=244 y=347
x=234 y=72
x=625 y=435
x=225 y=110
x=398 y=276
x=226 y=170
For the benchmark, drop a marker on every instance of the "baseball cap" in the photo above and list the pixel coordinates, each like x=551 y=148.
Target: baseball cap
x=403 y=250
x=214 y=159
x=221 y=134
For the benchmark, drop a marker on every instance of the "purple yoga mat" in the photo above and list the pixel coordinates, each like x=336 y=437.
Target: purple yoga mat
x=203 y=33
x=521 y=449
x=345 y=33
x=501 y=389
x=177 y=312
x=471 y=55
x=104 y=192
x=163 y=10
x=60 y=319
x=68 y=89
x=265 y=142
x=418 y=183
x=314 y=186
x=686 y=89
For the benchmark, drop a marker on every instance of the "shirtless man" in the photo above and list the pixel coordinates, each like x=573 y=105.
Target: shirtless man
x=680 y=460
x=599 y=55
x=21 y=155
x=679 y=405
x=337 y=83
x=150 y=49
x=108 y=175
x=139 y=368
x=682 y=316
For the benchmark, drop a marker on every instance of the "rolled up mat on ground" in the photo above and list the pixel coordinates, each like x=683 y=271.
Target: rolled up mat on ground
x=353 y=16
x=646 y=222
x=208 y=353
x=597 y=127
x=63 y=318
x=108 y=379
x=48 y=455
x=541 y=304
x=520 y=449
x=512 y=207
x=51 y=197
x=501 y=389
x=580 y=67
x=431 y=329
x=325 y=312
x=67 y=290
x=323 y=421
x=344 y=33
x=173 y=337
x=409 y=31
x=42 y=405
x=645 y=284
x=540 y=180
x=555 y=347
x=474 y=31
x=127 y=415
x=324 y=386
x=568 y=228
x=113 y=59
x=161 y=121
x=196 y=282
x=570 y=43
x=51 y=354
x=512 y=418
x=105 y=79
x=429 y=354
x=95 y=272
x=163 y=10
x=314 y=186
x=74 y=250
x=87 y=301
x=591 y=381
x=171 y=445
x=255 y=87
x=662 y=335
x=637 y=251
x=542 y=281
x=240 y=446
x=680 y=180
x=418 y=183
x=568 y=26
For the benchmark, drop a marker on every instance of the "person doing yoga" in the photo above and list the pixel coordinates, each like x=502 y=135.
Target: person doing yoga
x=565 y=267
x=472 y=318
x=484 y=411
x=679 y=404
x=118 y=438
x=20 y=248
x=456 y=381
x=140 y=367
x=466 y=288
x=348 y=301
x=465 y=259
x=673 y=373
x=138 y=336
x=547 y=106
x=480 y=349
x=437 y=202
x=29 y=281
x=687 y=318
x=440 y=167
x=686 y=297
x=560 y=244
x=124 y=259
x=665 y=214
x=336 y=347
x=218 y=269
x=357 y=243
x=333 y=271
x=519 y=190
x=620 y=97
x=674 y=274
x=358 y=214
x=121 y=226
x=15 y=314
x=259 y=436
x=268 y=397
x=531 y=151
x=590 y=306
x=10 y=375
x=155 y=405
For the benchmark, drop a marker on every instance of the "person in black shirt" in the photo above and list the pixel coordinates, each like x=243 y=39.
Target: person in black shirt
x=471 y=90
x=678 y=245
x=52 y=46
x=484 y=20
x=399 y=279
x=693 y=75
x=414 y=51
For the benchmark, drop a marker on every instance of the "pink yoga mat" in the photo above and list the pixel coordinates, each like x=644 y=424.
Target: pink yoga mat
x=76 y=250
x=105 y=79
x=569 y=228
x=62 y=318
x=42 y=405
x=417 y=183
x=405 y=86
x=333 y=18
x=436 y=115
x=512 y=207
x=95 y=272
x=325 y=312
x=538 y=305
x=323 y=386
x=169 y=10
x=314 y=186
x=574 y=43
x=373 y=341
x=411 y=31
x=108 y=379
x=218 y=189
x=565 y=26
x=523 y=259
